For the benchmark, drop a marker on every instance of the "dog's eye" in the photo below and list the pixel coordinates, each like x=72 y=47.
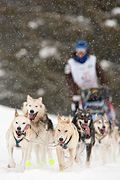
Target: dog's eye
x=16 y=122
x=36 y=106
x=59 y=130
x=23 y=122
x=29 y=105
x=41 y=106
x=99 y=122
x=66 y=130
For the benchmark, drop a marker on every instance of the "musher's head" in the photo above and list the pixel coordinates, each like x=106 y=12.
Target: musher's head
x=81 y=48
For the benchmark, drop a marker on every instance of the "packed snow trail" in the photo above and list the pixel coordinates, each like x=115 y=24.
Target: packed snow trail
x=95 y=172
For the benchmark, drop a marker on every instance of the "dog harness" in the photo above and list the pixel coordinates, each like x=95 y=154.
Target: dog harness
x=18 y=141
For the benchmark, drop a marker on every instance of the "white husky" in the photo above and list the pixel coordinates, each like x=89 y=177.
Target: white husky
x=42 y=130
x=15 y=137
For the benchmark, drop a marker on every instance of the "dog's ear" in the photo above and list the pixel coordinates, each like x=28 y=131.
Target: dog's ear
x=59 y=119
x=16 y=113
x=96 y=116
x=29 y=98
x=26 y=115
x=105 y=116
x=68 y=120
x=77 y=111
x=40 y=99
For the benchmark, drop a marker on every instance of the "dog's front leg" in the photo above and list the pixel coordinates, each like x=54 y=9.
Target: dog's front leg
x=88 y=151
x=60 y=157
x=28 y=150
x=77 y=157
x=72 y=153
x=43 y=154
x=11 y=160
x=24 y=157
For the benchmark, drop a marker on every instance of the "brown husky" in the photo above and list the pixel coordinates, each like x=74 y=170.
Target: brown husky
x=15 y=137
x=66 y=138
x=42 y=131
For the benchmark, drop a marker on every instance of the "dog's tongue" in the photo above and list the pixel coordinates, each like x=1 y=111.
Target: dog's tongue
x=31 y=116
x=27 y=127
x=87 y=129
x=102 y=131
x=18 y=132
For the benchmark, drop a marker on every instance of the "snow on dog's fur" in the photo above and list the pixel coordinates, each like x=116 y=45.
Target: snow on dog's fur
x=41 y=128
x=66 y=136
x=15 y=137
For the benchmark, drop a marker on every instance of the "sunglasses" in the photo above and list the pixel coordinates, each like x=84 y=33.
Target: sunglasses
x=80 y=50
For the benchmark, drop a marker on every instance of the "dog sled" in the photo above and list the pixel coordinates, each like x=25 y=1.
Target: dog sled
x=99 y=101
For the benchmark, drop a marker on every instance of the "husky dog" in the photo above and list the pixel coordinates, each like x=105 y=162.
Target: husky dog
x=42 y=130
x=66 y=138
x=115 y=140
x=106 y=137
x=15 y=137
x=84 y=123
x=102 y=136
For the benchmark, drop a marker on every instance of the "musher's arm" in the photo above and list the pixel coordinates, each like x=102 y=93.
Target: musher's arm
x=101 y=75
x=69 y=80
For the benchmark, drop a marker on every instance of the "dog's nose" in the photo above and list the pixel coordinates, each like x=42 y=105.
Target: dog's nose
x=32 y=111
x=61 y=139
x=103 y=127
x=19 y=128
x=86 y=121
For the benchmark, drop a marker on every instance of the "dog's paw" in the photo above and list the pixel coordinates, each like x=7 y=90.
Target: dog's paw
x=8 y=166
x=67 y=165
x=11 y=165
x=78 y=160
x=51 y=162
x=88 y=164
x=28 y=163
x=60 y=168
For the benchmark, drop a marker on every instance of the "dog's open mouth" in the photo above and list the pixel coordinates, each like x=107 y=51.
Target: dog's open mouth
x=61 y=143
x=32 y=116
x=86 y=129
x=102 y=131
x=19 y=133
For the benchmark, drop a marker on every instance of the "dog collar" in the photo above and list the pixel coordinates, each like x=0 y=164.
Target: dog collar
x=65 y=144
x=100 y=139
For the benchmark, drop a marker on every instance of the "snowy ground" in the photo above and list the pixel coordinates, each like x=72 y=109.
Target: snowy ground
x=96 y=172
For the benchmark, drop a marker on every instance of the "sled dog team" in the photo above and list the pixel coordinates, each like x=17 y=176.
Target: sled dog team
x=35 y=131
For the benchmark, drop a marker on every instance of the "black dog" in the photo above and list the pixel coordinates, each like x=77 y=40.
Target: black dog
x=84 y=123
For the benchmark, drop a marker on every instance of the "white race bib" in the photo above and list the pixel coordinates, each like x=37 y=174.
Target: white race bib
x=84 y=75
